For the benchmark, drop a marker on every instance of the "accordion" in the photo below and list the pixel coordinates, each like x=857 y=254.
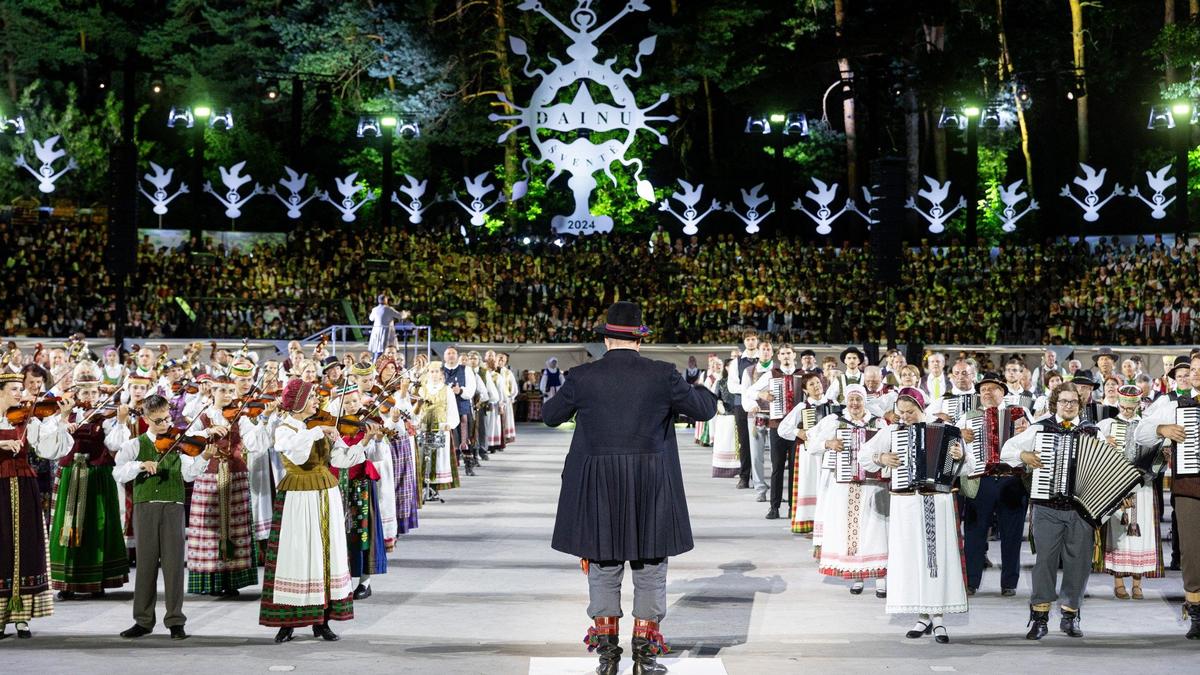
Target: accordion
x=957 y=405
x=1022 y=399
x=1187 y=453
x=925 y=462
x=781 y=393
x=846 y=468
x=1084 y=469
x=991 y=428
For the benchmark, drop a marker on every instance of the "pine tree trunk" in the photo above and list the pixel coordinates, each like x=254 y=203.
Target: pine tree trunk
x=912 y=132
x=504 y=71
x=708 y=114
x=848 y=117
x=1005 y=74
x=1081 y=102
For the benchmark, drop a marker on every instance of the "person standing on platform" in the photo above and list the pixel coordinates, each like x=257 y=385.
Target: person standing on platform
x=383 y=326
x=622 y=498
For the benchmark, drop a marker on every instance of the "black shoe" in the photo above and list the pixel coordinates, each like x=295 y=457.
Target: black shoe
x=918 y=632
x=284 y=635
x=773 y=514
x=645 y=660
x=971 y=590
x=99 y=595
x=942 y=637
x=609 y=651
x=136 y=631
x=23 y=633
x=230 y=593
x=66 y=595
x=743 y=484
x=485 y=454
x=880 y=593
x=856 y=589
x=1193 y=612
x=1069 y=624
x=1007 y=592
x=987 y=563
x=1037 y=621
x=177 y=633
x=470 y=468
x=362 y=592
x=761 y=498
x=3 y=633
x=322 y=631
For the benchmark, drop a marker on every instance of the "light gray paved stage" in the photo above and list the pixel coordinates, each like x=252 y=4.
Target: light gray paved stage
x=477 y=589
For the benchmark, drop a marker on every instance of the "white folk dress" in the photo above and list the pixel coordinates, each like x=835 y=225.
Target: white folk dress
x=924 y=556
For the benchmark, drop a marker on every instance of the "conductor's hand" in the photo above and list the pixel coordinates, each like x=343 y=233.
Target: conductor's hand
x=1172 y=432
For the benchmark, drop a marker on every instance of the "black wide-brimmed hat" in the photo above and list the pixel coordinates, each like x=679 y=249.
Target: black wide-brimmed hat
x=623 y=322
x=992 y=378
x=1082 y=378
x=1180 y=362
x=1102 y=352
x=853 y=350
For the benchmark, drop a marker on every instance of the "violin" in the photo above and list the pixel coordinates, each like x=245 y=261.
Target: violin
x=21 y=414
x=346 y=426
x=189 y=387
x=251 y=406
x=192 y=446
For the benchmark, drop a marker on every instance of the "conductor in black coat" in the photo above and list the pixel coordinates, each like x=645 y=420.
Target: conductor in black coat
x=622 y=497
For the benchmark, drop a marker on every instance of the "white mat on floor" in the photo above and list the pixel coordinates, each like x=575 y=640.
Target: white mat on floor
x=587 y=666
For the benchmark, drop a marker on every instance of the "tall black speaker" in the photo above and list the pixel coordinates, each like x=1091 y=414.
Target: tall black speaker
x=887 y=210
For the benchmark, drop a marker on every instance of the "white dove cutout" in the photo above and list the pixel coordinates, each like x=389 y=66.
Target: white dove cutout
x=348 y=189
x=872 y=212
x=47 y=155
x=160 y=180
x=752 y=200
x=822 y=197
x=294 y=184
x=478 y=189
x=936 y=196
x=689 y=198
x=1091 y=182
x=233 y=180
x=415 y=191
x=1158 y=201
x=1010 y=197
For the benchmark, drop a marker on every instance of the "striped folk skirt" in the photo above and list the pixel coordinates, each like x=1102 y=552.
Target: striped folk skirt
x=87 y=548
x=404 y=474
x=306 y=576
x=364 y=528
x=220 y=543
x=24 y=557
x=1127 y=554
x=725 y=462
x=806 y=479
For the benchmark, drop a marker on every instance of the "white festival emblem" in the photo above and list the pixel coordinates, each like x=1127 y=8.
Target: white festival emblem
x=580 y=157
x=415 y=190
x=872 y=213
x=48 y=156
x=160 y=180
x=936 y=195
x=753 y=216
x=690 y=217
x=1091 y=182
x=294 y=184
x=478 y=189
x=1158 y=201
x=349 y=190
x=233 y=181
x=823 y=197
x=1010 y=197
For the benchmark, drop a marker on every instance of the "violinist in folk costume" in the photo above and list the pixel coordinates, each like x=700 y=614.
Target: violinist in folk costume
x=24 y=579
x=157 y=468
x=373 y=400
x=306 y=581
x=87 y=548
x=221 y=545
x=397 y=410
x=262 y=472
x=129 y=415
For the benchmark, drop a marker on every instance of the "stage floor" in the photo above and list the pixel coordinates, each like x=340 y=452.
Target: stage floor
x=477 y=589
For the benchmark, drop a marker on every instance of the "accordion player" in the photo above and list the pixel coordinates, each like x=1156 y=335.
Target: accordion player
x=1081 y=469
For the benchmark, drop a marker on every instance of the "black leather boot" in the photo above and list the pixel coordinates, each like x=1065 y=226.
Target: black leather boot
x=1193 y=612
x=604 y=639
x=648 y=643
x=1037 y=623
x=322 y=631
x=1069 y=623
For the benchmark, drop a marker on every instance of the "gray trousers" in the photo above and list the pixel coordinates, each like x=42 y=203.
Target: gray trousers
x=1061 y=536
x=649 y=588
x=1188 y=512
x=760 y=441
x=158 y=529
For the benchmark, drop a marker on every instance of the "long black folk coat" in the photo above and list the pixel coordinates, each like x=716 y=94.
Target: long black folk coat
x=622 y=488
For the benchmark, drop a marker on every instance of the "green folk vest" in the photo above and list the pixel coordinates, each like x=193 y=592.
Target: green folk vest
x=164 y=486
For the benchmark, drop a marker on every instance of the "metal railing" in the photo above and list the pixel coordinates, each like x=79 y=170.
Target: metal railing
x=343 y=335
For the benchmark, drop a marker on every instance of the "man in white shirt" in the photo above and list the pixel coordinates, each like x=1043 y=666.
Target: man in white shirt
x=935 y=383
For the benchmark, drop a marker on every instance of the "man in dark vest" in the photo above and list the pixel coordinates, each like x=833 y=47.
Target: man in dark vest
x=622 y=496
x=464 y=390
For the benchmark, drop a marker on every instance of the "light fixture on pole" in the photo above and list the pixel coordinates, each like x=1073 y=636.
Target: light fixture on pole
x=758 y=124
x=180 y=116
x=156 y=86
x=222 y=120
x=368 y=125
x=796 y=125
x=13 y=125
x=952 y=119
x=271 y=91
x=1077 y=87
